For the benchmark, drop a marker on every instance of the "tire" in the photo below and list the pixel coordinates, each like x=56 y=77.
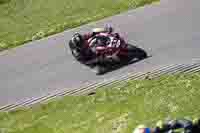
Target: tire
x=76 y=54
x=100 y=70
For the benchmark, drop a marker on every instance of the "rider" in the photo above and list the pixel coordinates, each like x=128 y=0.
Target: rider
x=106 y=31
x=90 y=43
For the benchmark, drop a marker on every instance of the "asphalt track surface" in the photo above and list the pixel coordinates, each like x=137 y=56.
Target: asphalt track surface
x=169 y=32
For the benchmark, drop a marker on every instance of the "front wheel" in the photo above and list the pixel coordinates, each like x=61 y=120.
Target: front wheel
x=75 y=52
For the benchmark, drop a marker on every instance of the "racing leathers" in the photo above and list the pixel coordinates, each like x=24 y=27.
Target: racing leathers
x=99 y=41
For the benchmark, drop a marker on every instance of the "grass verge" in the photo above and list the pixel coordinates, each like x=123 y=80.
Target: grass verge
x=26 y=20
x=114 y=109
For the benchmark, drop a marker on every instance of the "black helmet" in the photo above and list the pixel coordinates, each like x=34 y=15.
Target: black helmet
x=77 y=40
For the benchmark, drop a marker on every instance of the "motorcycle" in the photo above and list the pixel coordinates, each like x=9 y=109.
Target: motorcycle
x=103 y=57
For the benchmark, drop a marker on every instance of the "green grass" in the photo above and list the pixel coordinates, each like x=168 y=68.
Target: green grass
x=25 y=20
x=114 y=109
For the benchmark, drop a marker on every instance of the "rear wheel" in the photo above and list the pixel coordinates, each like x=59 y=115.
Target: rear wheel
x=100 y=70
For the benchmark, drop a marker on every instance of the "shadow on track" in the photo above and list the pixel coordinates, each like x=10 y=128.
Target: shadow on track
x=137 y=54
